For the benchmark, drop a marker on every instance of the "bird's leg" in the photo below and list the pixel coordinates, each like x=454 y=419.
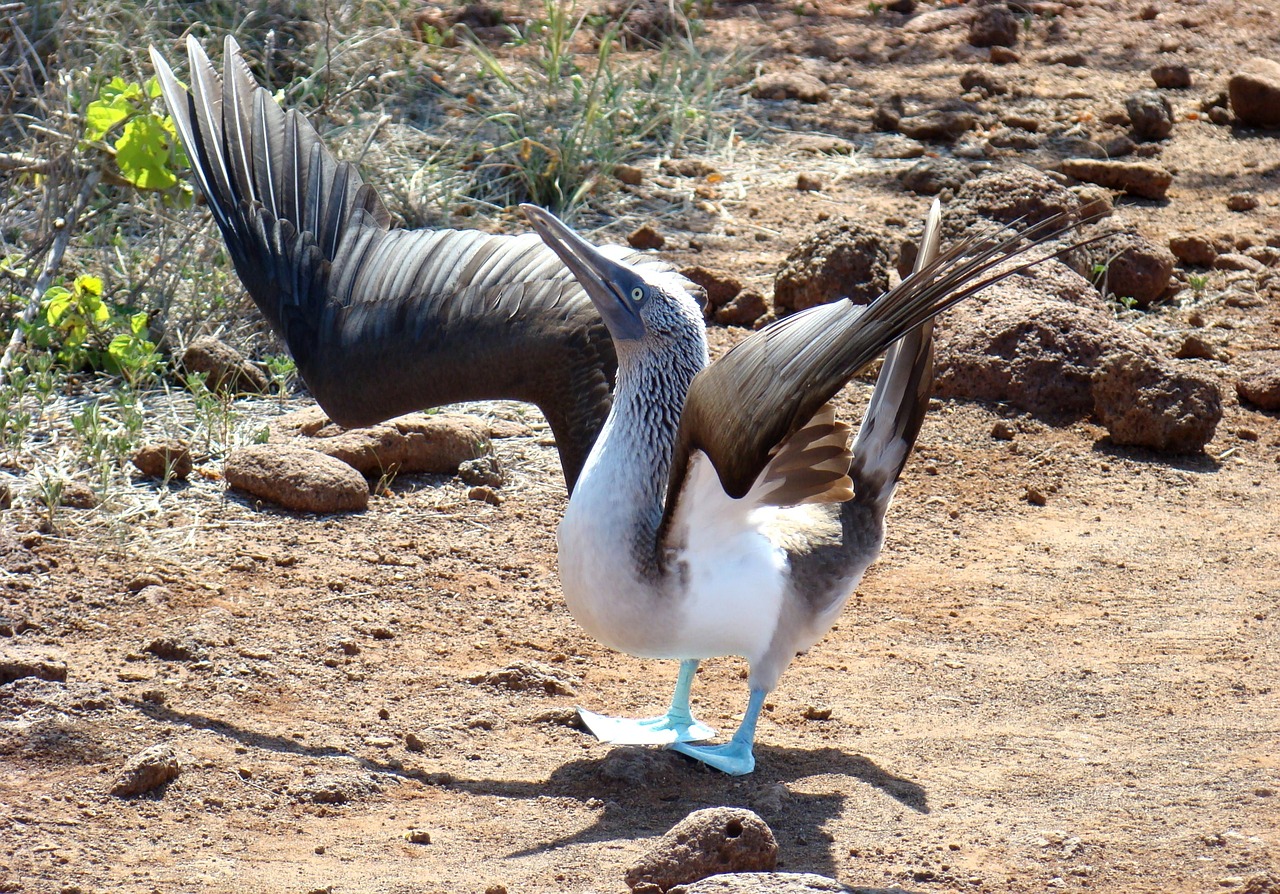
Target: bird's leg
x=677 y=725
x=735 y=757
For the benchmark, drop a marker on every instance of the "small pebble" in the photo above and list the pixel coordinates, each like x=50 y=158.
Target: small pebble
x=1242 y=201
x=629 y=174
x=812 y=712
x=646 y=237
x=485 y=495
x=413 y=743
x=809 y=183
x=1035 y=496
x=1002 y=431
x=418 y=836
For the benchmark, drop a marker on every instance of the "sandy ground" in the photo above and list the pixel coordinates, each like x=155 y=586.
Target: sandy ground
x=1072 y=696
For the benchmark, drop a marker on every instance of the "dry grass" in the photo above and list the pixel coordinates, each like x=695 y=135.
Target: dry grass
x=457 y=130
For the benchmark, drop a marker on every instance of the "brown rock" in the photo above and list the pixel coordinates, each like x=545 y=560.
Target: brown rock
x=686 y=167
x=1146 y=402
x=993 y=26
x=1255 y=93
x=78 y=495
x=983 y=79
x=939 y=20
x=1195 y=347
x=18 y=664
x=224 y=368
x=170 y=457
x=1095 y=201
x=790 y=85
x=765 y=883
x=628 y=174
x=1264 y=254
x=297 y=478
x=1023 y=194
x=1150 y=114
x=1004 y=56
x=937 y=124
x=895 y=146
x=809 y=183
x=1130 y=266
x=888 y=113
x=1242 y=201
x=1026 y=349
x=745 y=309
x=525 y=676
x=1261 y=388
x=147 y=770
x=1137 y=178
x=706 y=843
x=1234 y=261
x=720 y=287
x=1171 y=76
x=1196 y=250
x=842 y=259
x=484 y=494
x=930 y=176
x=646 y=237
x=333 y=788
x=482 y=471
x=417 y=442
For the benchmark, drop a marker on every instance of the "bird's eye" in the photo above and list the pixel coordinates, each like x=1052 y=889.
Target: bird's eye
x=637 y=294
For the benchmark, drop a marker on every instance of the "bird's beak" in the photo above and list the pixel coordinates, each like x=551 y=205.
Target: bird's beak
x=608 y=283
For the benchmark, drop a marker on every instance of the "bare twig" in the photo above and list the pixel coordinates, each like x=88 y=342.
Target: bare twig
x=52 y=261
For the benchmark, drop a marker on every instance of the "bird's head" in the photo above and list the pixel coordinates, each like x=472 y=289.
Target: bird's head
x=642 y=308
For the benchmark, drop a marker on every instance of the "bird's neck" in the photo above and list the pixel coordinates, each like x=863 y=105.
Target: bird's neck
x=621 y=493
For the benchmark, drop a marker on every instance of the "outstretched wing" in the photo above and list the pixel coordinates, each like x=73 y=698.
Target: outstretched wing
x=742 y=409
x=384 y=321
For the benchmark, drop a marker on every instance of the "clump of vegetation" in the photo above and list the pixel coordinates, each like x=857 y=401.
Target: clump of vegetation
x=107 y=267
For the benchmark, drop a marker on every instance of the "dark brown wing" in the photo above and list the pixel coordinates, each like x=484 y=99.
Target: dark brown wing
x=384 y=321
x=742 y=408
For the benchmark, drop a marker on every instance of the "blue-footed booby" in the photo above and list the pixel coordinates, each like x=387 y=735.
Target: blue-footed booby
x=720 y=511
x=723 y=511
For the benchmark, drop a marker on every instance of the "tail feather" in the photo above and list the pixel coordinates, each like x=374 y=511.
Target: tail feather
x=901 y=396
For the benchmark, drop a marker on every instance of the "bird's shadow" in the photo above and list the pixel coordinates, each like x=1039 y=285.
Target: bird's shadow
x=642 y=791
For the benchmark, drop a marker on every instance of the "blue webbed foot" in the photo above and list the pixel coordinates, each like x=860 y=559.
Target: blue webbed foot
x=670 y=728
x=734 y=757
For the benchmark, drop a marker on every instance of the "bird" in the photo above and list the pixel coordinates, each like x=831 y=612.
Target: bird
x=381 y=320
x=724 y=510
x=715 y=508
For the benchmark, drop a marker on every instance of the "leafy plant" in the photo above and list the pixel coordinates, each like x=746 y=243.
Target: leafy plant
x=83 y=331
x=283 y=371
x=147 y=151
x=1198 y=282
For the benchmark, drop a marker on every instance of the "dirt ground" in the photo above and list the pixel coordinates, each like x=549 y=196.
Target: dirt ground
x=1078 y=695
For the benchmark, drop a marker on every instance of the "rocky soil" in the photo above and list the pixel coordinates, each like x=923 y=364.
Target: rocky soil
x=1061 y=674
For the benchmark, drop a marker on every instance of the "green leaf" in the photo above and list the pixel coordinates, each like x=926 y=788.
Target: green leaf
x=142 y=154
x=57 y=303
x=92 y=307
x=85 y=283
x=102 y=115
x=138 y=323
